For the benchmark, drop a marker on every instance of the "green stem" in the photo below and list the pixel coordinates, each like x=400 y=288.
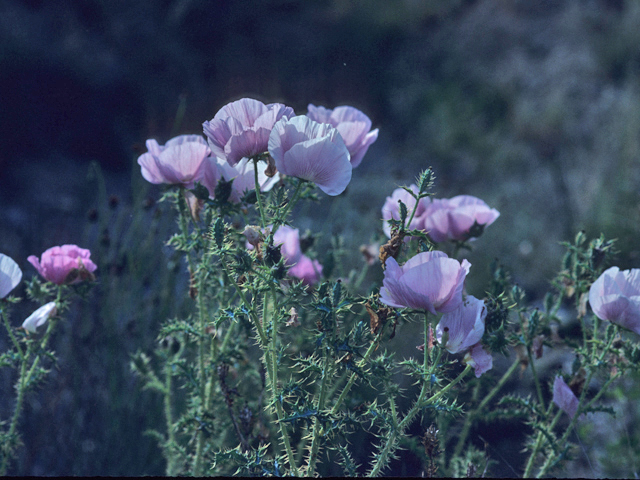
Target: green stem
x=246 y=303
x=549 y=460
x=183 y=213
x=168 y=415
x=390 y=445
x=23 y=382
x=413 y=213
x=327 y=372
x=354 y=376
x=197 y=464
x=473 y=415
x=13 y=338
x=271 y=359
x=293 y=201
x=536 y=380
x=258 y=193
x=536 y=447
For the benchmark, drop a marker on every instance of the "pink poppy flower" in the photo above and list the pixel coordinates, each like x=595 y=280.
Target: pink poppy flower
x=615 y=296
x=66 y=264
x=312 y=151
x=300 y=266
x=464 y=325
x=39 y=317
x=391 y=209
x=289 y=240
x=242 y=175
x=307 y=270
x=452 y=219
x=180 y=161
x=480 y=360
x=10 y=275
x=241 y=128
x=429 y=281
x=564 y=398
x=353 y=125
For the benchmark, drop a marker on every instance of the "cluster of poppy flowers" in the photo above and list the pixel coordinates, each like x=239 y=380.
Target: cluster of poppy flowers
x=64 y=265
x=434 y=282
x=322 y=147
x=459 y=218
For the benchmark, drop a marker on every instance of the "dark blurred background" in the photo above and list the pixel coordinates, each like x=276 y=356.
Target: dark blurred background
x=531 y=106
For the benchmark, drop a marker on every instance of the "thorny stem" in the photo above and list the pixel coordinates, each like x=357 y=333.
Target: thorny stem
x=197 y=465
x=23 y=382
x=535 y=376
x=13 y=338
x=327 y=373
x=552 y=456
x=271 y=359
x=421 y=402
x=568 y=430
x=354 y=376
x=168 y=415
x=473 y=415
x=536 y=447
x=413 y=212
x=258 y=193
x=183 y=210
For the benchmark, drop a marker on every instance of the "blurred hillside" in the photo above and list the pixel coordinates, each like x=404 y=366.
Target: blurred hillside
x=531 y=106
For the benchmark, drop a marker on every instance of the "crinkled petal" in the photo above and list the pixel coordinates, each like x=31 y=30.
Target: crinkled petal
x=464 y=325
x=319 y=114
x=183 y=163
x=320 y=161
x=359 y=151
x=564 y=398
x=218 y=134
x=39 y=317
x=350 y=114
x=10 y=275
x=307 y=270
x=284 y=135
x=57 y=262
x=615 y=296
x=181 y=139
x=150 y=169
x=289 y=239
x=479 y=359
x=247 y=144
x=391 y=207
x=245 y=110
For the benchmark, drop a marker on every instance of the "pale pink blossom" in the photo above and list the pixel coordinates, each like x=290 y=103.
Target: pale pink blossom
x=65 y=264
x=564 y=397
x=312 y=151
x=429 y=281
x=453 y=219
x=181 y=161
x=10 y=275
x=391 y=209
x=464 y=326
x=615 y=296
x=241 y=128
x=479 y=359
x=289 y=240
x=300 y=266
x=307 y=270
x=39 y=317
x=353 y=125
x=242 y=174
